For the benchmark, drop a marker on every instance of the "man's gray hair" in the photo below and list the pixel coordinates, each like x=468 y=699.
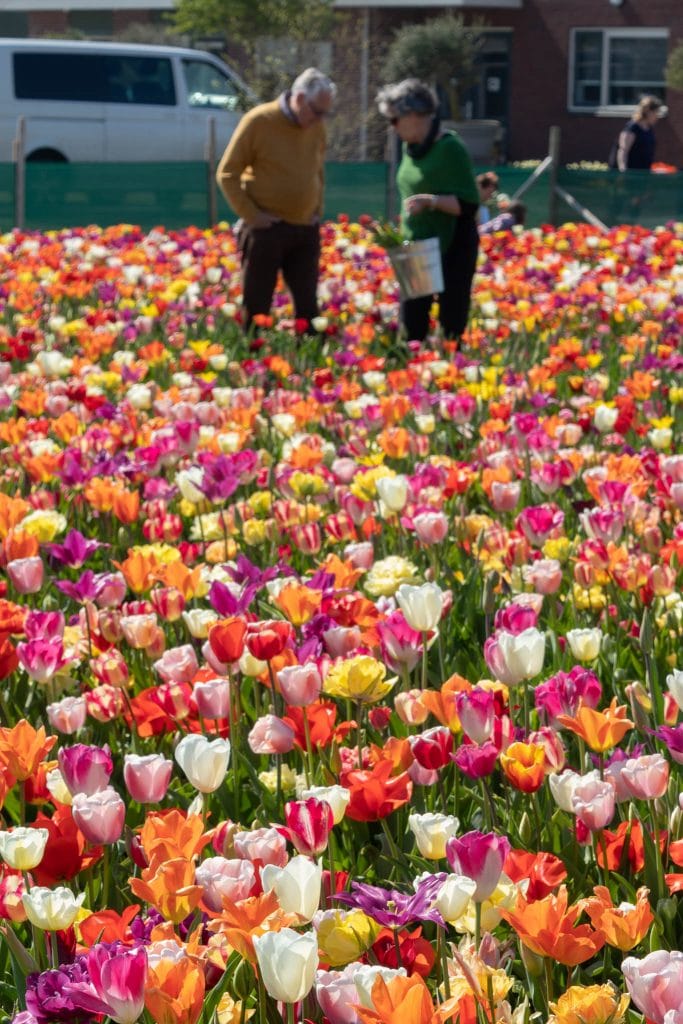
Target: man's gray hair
x=411 y=96
x=312 y=83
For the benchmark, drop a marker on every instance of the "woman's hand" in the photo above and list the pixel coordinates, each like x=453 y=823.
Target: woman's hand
x=420 y=202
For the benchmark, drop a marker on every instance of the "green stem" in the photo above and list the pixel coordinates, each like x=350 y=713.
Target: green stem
x=477 y=925
x=359 y=717
x=423 y=681
x=290 y=1013
x=548 y=965
x=308 y=760
x=262 y=1007
x=444 y=964
x=397 y=949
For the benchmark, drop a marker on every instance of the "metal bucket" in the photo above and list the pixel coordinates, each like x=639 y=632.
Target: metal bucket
x=417 y=266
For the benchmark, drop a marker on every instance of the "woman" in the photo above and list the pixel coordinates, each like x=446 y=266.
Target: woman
x=635 y=149
x=487 y=183
x=439 y=198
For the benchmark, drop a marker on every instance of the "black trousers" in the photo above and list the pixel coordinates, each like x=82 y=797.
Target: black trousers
x=292 y=248
x=459 y=263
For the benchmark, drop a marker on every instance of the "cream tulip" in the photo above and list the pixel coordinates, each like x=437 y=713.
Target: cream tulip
x=584 y=643
x=421 y=606
x=454 y=896
x=336 y=796
x=393 y=492
x=431 y=832
x=205 y=762
x=51 y=909
x=23 y=848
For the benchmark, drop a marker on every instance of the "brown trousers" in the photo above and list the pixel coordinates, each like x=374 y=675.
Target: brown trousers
x=292 y=248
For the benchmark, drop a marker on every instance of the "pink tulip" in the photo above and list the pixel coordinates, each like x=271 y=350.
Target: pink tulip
x=300 y=685
x=545 y=576
x=147 y=777
x=480 y=856
x=67 y=715
x=224 y=881
x=337 y=994
x=603 y=523
x=537 y=523
x=308 y=825
x=422 y=776
x=44 y=625
x=593 y=801
x=341 y=641
x=85 y=769
x=401 y=644
x=261 y=846
x=117 y=983
x=646 y=777
x=26 y=574
x=213 y=698
x=409 y=707
x=177 y=665
x=42 y=659
x=110 y=590
x=430 y=527
x=505 y=496
x=270 y=735
x=655 y=983
x=100 y=817
x=361 y=556
x=476 y=713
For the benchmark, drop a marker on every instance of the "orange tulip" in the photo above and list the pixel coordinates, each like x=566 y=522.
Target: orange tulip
x=226 y=638
x=241 y=922
x=171 y=834
x=548 y=927
x=126 y=505
x=12 y=617
x=400 y=1001
x=177 y=575
x=601 y=730
x=525 y=765
x=169 y=886
x=12 y=511
x=174 y=992
x=138 y=570
x=442 y=703
x=345 y=576
x=377 y=792
x=22 y=748
x=625 y=928
x=18 y=544
x=299 y=603
x=108 y=926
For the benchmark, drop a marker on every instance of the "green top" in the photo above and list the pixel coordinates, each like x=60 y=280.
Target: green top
x=445 y=170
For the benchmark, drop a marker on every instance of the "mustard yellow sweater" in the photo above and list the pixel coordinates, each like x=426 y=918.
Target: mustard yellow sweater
x=274 y=165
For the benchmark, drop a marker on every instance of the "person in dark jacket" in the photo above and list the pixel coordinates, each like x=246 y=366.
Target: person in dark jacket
x=635 y=148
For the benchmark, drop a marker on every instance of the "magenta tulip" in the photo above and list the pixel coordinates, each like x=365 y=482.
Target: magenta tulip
x=480 y=856
x=476 y=712
x=85 y=769
x=117 y=983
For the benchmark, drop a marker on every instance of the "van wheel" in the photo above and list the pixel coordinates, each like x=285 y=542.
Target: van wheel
x=46 y=156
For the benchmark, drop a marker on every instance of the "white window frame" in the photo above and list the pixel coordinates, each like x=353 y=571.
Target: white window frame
x=606 y=109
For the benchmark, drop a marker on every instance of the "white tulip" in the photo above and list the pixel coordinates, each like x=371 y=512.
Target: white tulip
x=336 y=796
x=287 y=963
x=366 y=976
x=297 y=885
x=205 y=762
x=421 y=606
x=454 y=896
x=23 y=848
x=393 y=491
x=52 y=909
x=562 y=788
x=674 y=681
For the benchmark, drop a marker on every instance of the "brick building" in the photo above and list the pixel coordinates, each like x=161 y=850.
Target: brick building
x=577 y=64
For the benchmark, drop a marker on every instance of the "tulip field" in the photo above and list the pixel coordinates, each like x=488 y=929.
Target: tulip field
x=341 y=676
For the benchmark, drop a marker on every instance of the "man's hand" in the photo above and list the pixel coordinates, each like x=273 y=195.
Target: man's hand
x=263 y=220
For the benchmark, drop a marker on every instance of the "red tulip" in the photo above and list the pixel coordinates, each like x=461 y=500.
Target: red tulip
x=267 y=639
x=226 y=639
x=433 y=748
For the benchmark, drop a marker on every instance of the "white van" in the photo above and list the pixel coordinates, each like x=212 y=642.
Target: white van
x=89 y=101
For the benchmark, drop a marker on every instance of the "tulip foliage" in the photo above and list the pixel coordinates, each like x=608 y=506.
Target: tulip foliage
x=340 y=677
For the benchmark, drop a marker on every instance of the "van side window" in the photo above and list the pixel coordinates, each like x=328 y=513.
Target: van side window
x=93 y=78
x=147 y=80
x=207 y=86
x=59 y=76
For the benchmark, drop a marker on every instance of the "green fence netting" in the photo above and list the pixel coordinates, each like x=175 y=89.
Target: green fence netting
x=176 y=195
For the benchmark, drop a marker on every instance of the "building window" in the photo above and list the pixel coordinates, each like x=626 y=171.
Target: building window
x=610 y=69
x=13 y=24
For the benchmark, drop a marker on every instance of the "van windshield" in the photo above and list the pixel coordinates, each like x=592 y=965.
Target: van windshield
x=208 y=86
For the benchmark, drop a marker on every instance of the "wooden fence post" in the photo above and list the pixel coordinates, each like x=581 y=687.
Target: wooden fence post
x=554 y=137
x=19 y=161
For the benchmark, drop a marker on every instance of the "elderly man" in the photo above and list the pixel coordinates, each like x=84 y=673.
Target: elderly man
x=272 y=176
